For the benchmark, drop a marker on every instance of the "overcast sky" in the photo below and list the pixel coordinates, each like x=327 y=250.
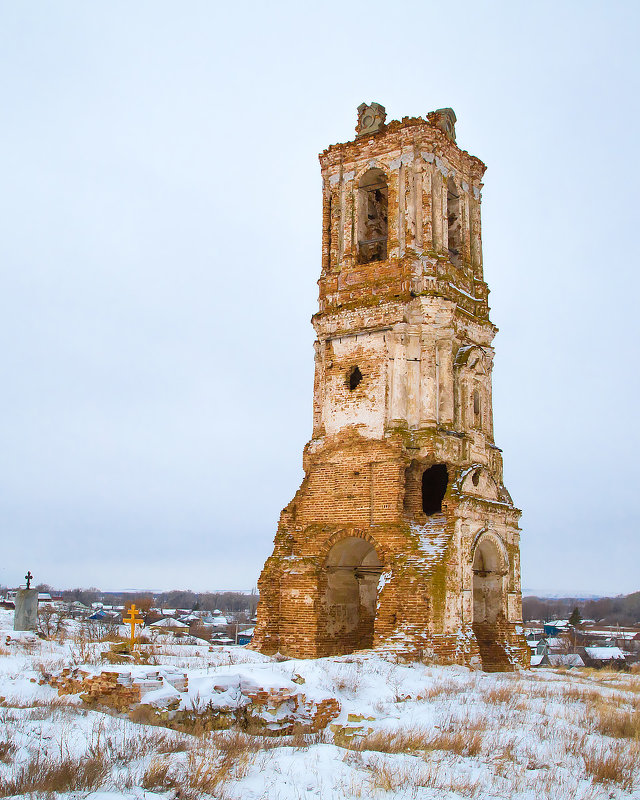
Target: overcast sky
x=160 y=228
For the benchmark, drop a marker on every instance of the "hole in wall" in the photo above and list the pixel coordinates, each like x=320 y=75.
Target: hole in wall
x=475 y=478
x=353 y=378
x=434 y=486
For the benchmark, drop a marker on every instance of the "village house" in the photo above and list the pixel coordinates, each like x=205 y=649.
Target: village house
x=169 y=625
x=599 y=657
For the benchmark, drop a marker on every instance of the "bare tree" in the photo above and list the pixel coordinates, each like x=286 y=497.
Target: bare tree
x=50 y=621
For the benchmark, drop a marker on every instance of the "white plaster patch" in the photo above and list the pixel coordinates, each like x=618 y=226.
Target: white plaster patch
x=433 y=540
x=444 y=168
x=333 y=179
x=363 y=407
x=405 y=158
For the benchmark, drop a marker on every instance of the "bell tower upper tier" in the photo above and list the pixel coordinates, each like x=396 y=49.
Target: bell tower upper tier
x=404 y=340
x=401 y=215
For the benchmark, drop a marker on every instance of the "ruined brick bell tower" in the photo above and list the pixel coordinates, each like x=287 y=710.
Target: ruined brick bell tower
x=402 y=535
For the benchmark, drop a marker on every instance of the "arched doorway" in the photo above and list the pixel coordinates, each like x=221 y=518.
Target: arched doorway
x=489 y=571
x=488 y=580
x=353 y=570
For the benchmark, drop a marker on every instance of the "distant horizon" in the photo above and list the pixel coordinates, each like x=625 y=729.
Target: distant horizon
x=526 y=592
x=139 y=591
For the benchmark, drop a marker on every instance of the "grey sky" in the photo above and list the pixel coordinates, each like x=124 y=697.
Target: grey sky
x=160 y=246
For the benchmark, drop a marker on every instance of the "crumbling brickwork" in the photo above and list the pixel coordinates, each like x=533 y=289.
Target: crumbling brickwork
x=402 y=535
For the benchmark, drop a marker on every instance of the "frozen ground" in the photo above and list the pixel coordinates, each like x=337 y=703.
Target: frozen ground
x=404 y=731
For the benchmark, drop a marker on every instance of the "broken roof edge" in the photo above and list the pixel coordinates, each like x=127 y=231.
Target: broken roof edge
x=340 y=151
x=395 y=126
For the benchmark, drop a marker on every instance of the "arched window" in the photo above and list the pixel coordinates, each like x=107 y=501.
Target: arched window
x=477 y=409
x=373 y=223
x=454 y=221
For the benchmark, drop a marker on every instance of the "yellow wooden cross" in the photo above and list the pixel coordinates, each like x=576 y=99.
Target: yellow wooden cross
x=133 y=620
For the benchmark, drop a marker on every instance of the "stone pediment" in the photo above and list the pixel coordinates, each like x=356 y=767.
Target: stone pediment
x=477 y=481
x=473 y=358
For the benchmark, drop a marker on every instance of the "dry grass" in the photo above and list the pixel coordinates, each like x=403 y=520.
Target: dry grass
x=40 y=709
x=574 y=743
x=45 y=667
x=45 y=776
x=612 y=764
x=617 y=723
x=557 y=784
x=345 y=678
x=143 y=714
x=577 y=694
x=504 y=753
x=208 y=768
x=158 y=775
x=385 y=776
x=83 y=650
x=504 y=693
x=108 y=748
x=462 y=742
x=411 y=779
x=443 y=689
x=207 y=774
x=7 y=749
x=464 y=786
x=128 y=742
x=235 y=744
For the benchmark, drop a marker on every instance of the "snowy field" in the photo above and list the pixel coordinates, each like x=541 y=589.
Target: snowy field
x=402 y=731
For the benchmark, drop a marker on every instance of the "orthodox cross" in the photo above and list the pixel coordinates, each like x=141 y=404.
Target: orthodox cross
x=28 y=578
x=133 y=620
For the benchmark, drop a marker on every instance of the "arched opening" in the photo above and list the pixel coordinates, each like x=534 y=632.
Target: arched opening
x=488 y=579
x=454 y=221
x=434 y=487
x=353 y=570
x=477 y=409
x=373 y=194
x=329 y=207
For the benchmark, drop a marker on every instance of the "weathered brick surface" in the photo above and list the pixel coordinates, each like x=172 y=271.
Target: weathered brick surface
x=105 y=689
x=357 y=562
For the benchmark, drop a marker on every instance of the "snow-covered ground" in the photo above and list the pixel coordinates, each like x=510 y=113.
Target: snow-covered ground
x=403 y=730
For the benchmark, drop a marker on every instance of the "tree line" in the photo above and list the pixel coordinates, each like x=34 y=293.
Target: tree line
x=622 y=610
